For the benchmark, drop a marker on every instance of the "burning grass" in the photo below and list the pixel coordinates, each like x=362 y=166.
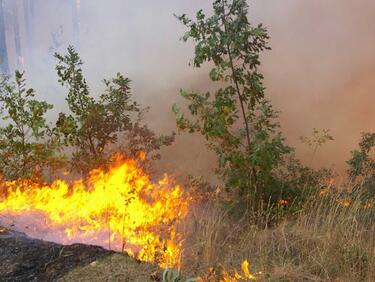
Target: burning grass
x=325 y=241
x=123 y=209
x=120 y=209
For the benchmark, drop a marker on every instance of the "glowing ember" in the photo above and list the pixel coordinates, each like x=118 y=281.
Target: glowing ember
x=119 y=208
x=3 y=230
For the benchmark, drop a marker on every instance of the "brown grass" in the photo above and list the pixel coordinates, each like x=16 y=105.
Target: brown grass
x=324 y=242
x=117 y=267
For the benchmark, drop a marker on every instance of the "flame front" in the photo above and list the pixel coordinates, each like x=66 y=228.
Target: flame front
x=120 y=208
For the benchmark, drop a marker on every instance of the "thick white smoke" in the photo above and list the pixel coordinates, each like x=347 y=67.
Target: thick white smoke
x=318 y=73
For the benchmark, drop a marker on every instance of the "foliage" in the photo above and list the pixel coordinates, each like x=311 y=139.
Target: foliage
x=362 y=165
x=236 y=120
x=98 y=127
x=173 y=275
x=26 y=146
x=298 y=184
x=317 y=139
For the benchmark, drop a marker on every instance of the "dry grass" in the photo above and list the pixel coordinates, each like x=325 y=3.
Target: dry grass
x=324 y=242
x=117 y=267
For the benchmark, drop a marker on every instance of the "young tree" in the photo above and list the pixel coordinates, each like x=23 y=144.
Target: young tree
x=317 y=139
x=25 y=146
x=362 y=165
x=236 y=120
x=4 y=67
x=28 y=15
x=98 y=128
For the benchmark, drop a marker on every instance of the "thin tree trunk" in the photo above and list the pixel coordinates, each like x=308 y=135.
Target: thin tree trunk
x=253 y=172
x=4 y=64
x=28 y=14
x=17 y=37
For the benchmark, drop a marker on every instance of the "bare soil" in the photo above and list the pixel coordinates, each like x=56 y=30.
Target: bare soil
x=26 y=259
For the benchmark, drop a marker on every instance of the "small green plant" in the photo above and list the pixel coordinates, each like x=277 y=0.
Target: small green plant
x=173 y=275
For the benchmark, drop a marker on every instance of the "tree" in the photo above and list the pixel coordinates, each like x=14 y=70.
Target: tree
x=236 y=120
x=317 y=139
x=4 y=67
x=25 y=146
x=362 y=165
x=96 y=129
x=28 y=14
x=17 y=37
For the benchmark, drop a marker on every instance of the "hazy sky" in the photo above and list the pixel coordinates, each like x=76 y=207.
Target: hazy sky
x=319 y=73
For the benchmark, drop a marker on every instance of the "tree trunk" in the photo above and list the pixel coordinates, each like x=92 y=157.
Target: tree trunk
x=17 y=38
x=4 y=64
x=28 y=9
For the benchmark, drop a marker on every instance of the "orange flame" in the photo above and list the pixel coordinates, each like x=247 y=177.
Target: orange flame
x=226 y=276
x=282 y=202
x=120 y=208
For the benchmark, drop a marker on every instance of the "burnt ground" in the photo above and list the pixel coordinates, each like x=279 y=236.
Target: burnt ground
x=26 y=259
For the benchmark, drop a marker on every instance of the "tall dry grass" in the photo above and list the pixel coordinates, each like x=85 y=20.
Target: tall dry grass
x=330 y=239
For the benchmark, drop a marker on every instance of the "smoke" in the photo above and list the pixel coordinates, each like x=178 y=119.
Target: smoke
x=318 y=73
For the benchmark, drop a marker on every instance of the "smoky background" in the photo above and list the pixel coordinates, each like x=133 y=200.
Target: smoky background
x=319 y=73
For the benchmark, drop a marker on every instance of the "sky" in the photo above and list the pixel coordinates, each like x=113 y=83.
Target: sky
x=319 y=73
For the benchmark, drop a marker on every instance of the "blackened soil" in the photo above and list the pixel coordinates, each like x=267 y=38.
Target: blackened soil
x=26 y=259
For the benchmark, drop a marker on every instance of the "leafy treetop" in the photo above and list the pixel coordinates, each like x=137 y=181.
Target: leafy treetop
x=25 y=146
x=236 y=120
x=96 y=128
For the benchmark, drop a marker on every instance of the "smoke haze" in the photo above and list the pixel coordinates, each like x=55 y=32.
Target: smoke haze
x=319 y=72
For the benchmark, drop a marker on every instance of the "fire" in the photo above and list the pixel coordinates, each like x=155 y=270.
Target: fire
x=282 y=202
x=2 y=230
x=120 y=208
x=225 y=276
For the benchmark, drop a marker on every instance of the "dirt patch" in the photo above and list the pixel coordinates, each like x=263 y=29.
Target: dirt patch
x=26 y=259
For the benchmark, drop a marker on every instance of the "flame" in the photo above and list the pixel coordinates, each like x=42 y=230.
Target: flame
x=345 y=203
x=225 y=276
x=282 y=202
x=368 y=205
x=3 y=230
x=120 y=208
x=245 y=276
